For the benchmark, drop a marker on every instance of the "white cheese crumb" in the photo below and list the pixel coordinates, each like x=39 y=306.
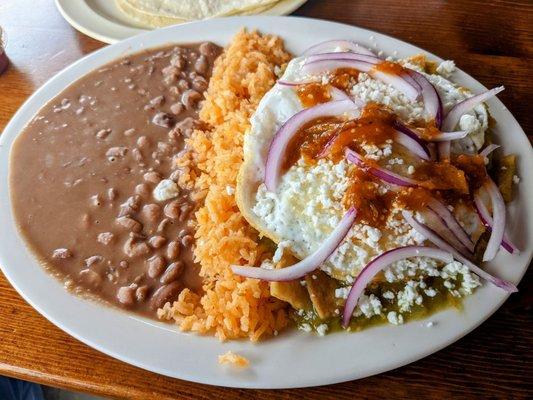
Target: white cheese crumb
x=394 y=318
x=388 y=295
x=446 y=68
x=396 y=160
x=516 y=179
x=410 y=170
x=306 y=327
x=321 y=329
x=430 y=292
x=230 y=190
x=430 y=324
x=342 y=293
x=368 y=305
x=280 y=250
x=165 y=190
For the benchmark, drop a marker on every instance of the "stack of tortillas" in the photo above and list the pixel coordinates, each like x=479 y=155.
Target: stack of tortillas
x=157 y=13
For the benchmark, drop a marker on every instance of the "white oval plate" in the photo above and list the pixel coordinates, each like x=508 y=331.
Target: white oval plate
x=104 y=21
x=293 y=359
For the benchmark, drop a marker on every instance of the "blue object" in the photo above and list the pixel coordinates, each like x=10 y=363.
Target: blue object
x=14 y=389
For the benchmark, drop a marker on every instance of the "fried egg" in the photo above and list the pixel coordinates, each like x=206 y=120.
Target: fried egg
x=307 y=203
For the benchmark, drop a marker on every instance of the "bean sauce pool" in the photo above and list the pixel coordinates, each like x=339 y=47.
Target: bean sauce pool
x=83 y=174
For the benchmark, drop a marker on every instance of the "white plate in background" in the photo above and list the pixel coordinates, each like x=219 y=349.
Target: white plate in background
x=104 y=21
x=294 y=358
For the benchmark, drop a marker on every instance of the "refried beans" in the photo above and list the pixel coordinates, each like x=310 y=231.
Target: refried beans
x=93 y=178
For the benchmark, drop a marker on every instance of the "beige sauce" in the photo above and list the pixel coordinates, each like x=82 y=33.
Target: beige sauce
x=83 y=173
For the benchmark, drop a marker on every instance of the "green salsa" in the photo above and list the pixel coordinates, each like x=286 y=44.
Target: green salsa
x=443 y=299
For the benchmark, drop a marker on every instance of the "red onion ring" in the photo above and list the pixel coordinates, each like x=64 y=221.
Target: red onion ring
x=343 y=56
x=486 y=219
x=498 y=226
x=412 y=145
x=290 y=84
x=381 y=262
x=381 y=173
x=398 y=82
x=489 y=149
x=399 y=126
x=318 y=67
x=448 y=136
x=452 y=223
x=331 y=45
x=276 y=152
x=438 y=224
x=454 y=115
x=308 y=264
x=430 y=97
x=437 y=240
x=337 y=94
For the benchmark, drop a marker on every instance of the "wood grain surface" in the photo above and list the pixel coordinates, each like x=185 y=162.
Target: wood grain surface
x=491 y=40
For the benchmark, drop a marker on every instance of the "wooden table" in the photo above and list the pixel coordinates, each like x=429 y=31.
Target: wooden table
x=491 y=40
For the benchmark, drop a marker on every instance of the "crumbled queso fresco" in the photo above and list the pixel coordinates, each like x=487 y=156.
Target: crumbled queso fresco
x=307 y=205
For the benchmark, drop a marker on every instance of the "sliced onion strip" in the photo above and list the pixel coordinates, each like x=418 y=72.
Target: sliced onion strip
x=381 y=262
x=327 y=65
x=381 y=173
x=498 y=226
x=436 y=239
x=412 y=145
x=308 y=264
x=454 y=115
x=430 y=97
x=486 y=219
x=343 y=56
x=438 y=224
x=489 y=149
x=282 y=138
x=399 y=82
x=320 y=66
x=331 y=45
x=448 y=136
x=337 y=94
x=452 y=223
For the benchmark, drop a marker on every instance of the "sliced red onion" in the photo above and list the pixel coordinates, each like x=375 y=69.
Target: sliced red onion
x=430 y=97
x=454 y=115
x=437 y=223
x=399 y=125
x=398 y=82
x=308 y=264
x=412 y=82
x=381 y=173
x=452 y=223
x=337 y=94
x=498 y=226
x=489 y=149
x=318 y=67
x=381 y=262
x=290 y=84
x=436 y=239
x=412 y=145
x=444 y=150
x=486 y=219
x=343 y=56
x=448 y=136
x=282 y=138
x=330 y=45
